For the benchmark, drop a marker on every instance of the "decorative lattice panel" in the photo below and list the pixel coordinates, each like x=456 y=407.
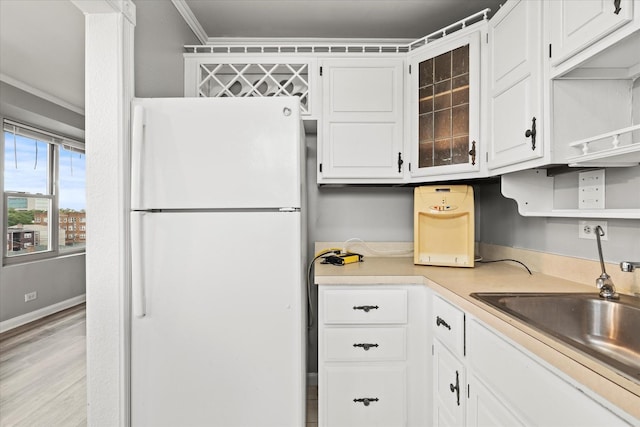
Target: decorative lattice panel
x=250 y=79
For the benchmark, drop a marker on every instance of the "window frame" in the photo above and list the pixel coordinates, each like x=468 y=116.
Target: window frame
x=54 y=142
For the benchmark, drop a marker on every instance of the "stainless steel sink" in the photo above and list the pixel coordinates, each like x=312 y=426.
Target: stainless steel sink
x=607 y=330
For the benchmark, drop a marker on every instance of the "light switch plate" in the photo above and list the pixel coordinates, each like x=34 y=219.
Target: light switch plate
x=591 y=189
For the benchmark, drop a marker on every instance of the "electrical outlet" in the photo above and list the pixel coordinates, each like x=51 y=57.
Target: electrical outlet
x=30 y=296
x=587 y=229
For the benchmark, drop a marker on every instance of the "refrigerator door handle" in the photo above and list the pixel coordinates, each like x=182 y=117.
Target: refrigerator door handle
x=138 y=297
x=137 y=139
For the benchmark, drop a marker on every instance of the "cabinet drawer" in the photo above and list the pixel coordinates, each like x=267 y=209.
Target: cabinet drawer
x=364 y=344
x=348 y=387
x=448 y=323
x=365 y=306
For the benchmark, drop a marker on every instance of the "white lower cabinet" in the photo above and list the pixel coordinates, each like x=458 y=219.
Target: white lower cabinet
x=534 y=395
x=481 y=378
x=372 y=352
x=400 y=355
x=484 y=408
x=448 y=383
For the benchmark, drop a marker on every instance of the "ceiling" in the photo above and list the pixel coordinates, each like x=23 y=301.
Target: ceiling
x=354 y=19
x=42 y=41
x=42 y=47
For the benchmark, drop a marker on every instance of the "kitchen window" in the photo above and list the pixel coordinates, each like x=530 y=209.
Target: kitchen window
x=44 y=188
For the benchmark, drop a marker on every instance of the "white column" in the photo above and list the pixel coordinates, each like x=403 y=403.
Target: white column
x=109 y=80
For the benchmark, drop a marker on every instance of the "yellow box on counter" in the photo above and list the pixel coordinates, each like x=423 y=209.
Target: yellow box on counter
x=444 y=227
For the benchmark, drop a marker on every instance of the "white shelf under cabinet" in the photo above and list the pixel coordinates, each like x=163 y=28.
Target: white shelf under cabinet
x=533 y=191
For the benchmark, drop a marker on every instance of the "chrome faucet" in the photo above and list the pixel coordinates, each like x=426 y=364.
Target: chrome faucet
x=629 y=266
x=604 y=282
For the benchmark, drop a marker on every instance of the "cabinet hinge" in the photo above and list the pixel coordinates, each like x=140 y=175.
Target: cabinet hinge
x=320 y=167
x=320 y=71
x=549 y=50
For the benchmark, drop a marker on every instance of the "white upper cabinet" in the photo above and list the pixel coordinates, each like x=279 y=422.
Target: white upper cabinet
x=516 y=88
x=445 y=107
x=576 y=24
x=360 y=139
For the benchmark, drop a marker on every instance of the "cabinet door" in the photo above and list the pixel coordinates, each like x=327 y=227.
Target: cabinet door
x=515 y=85
x=486 y=409
x=449 y=387
x=445 y=107
x=530 y=389
x=361 y=135
x=576 y=24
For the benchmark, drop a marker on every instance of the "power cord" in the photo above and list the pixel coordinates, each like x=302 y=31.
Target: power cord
x=310 y=313
x=506 y=259
x=375 y=251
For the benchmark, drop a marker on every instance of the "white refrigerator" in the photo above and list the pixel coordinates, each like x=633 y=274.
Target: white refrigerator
x=217 y=242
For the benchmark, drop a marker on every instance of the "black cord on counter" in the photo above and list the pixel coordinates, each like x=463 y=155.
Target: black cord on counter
x=507 y=259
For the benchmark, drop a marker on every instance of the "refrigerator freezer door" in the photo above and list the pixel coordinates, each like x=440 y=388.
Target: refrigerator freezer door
x=221 y=342
x=202 y=153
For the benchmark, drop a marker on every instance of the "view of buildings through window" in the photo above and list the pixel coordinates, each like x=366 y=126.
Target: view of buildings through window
x=44 y=192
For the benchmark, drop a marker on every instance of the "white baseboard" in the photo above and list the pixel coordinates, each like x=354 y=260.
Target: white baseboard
x=312 y=378
x=14 y=322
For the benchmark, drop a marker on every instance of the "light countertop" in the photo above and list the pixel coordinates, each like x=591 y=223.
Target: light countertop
x=456 y=285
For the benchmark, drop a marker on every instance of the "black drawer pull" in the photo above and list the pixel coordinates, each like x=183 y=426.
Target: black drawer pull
x=366 y=400
x=365 y=346
x=441 y=321
x=366 y=308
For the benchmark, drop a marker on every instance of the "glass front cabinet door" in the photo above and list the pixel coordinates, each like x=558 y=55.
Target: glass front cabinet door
x=445 y=105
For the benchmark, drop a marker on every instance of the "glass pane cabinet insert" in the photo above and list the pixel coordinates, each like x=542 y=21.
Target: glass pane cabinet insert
x=447 y=110
x=444 y=109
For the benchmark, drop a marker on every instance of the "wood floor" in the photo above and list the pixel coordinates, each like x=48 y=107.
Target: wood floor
x=43 y=374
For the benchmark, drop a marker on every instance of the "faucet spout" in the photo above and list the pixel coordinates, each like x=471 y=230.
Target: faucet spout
x=604 y=282
x=629 y=266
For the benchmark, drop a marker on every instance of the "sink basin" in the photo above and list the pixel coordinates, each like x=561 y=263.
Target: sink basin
x=607 y=330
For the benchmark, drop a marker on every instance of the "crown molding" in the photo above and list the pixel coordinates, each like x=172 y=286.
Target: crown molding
x=302 y=41
x=185 y=11
x=41 y=94
x=125 y=7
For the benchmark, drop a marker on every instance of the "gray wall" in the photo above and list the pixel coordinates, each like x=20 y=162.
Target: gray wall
x=55 y=280
x=501 y=224
x=160 y=37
